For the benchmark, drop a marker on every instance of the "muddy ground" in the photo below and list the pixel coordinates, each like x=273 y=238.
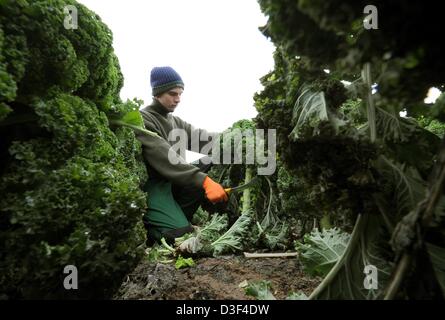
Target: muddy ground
x=215 y=278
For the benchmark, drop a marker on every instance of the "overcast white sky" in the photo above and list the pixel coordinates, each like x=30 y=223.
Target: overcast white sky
x=215 y=46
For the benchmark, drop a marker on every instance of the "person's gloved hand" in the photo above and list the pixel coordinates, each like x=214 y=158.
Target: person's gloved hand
x=214 y=191
x=191 y=245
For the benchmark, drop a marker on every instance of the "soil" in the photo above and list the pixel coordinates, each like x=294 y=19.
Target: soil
x=215 y=279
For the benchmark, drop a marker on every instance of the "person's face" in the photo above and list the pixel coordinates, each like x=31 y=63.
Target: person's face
x=170 y=99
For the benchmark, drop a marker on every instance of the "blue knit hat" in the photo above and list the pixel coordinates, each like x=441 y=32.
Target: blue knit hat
x=163 y=79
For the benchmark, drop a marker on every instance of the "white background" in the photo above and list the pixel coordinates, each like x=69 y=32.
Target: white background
x=214 y=45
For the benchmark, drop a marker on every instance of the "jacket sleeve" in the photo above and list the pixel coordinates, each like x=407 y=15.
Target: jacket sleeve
x=156 y=152
x=199 y=140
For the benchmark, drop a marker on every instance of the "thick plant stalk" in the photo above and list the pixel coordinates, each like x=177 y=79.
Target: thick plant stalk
x=270 y=255
x=325 y=222
x=436 y=188
x=222 y=174
x=398 y=276
x=246 y=192
x=425 y=210
x=366 y=76
x=136 y=128
x=268 y=218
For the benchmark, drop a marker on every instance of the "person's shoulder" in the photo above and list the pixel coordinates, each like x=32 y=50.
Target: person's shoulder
x=146 y=110
x=178 y=120
x=147 y=114
x=174 y=117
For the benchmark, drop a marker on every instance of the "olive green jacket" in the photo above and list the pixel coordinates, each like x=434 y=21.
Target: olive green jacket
x=156 y=149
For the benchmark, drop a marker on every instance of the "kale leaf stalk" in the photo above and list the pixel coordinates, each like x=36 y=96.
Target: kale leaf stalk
x=366 y=76
x=419 y=219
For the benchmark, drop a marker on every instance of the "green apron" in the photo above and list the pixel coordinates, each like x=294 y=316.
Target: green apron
x=164 y=213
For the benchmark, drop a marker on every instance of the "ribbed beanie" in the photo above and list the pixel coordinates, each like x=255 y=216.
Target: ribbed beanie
x=163 y=79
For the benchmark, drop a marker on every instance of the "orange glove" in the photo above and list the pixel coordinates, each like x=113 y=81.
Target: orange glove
x=214 y=191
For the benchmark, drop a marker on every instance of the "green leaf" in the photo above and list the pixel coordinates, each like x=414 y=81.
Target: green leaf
x=277 y=235
x=310 y=108
x=346 y=278
x=408 y=185
x=184 y=263
x=231 y=239
x=4 y=111
x=213 y=229
x=133 y=117
x=391 y=127
x=260 y=290
x=321 y=250
x=297 y=296
x=310 y=113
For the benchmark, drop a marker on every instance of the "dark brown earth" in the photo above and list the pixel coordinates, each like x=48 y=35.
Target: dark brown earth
x=215 y=279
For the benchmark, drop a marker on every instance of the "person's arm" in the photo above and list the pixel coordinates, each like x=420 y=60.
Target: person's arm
x=156 y=152
x=203 y=139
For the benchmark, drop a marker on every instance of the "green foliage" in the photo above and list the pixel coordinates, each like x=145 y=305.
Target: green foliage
x=71 y=199
x=294 y=198
x=213 y=229
x=41 y=53
x=200 y=217
x=352 y=110
x=202 y=239
x=70 y=185
x=261 y=199
x=332 y=36
x=276 y=236
x=260 y=290
x=182 y=262
x=297 y=296
x=432 y=125
x=212 y=238
x=311 y=113
x=438 y=109
x=347 y=152
x=159 y=254
x=310 y=183
x=128 y=115
x=319 y=251
x=231 y=240
x=366 y=246
x=409 y=188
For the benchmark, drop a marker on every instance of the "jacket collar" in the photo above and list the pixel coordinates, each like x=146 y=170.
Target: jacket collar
x=158 y=108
